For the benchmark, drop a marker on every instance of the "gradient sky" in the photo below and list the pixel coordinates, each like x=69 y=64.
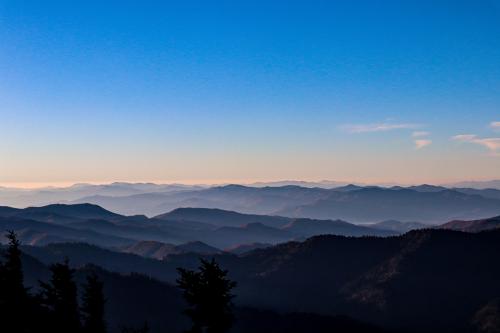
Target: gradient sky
x=215 y=91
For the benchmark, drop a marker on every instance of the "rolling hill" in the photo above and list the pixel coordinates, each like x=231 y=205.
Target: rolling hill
x=158 y=250
x=473 y=226
x=221 y=218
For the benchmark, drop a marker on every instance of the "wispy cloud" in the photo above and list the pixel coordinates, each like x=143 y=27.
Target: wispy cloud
x=418 y=134
x=421 y=143
x=464 y=137
x=492 y=144
x=377 y=127
x=495 y=125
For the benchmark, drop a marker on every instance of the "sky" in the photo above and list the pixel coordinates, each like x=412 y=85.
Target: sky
x=241 y=91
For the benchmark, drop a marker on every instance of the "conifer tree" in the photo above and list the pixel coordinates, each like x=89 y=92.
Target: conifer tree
x=59 y=297
x=14 y=297
x=93 y=303
x=208 y=293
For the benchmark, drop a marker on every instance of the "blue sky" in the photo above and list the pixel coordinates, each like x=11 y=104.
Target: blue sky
x=241 y=91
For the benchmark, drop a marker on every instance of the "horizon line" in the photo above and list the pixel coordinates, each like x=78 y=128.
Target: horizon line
x=382 y=183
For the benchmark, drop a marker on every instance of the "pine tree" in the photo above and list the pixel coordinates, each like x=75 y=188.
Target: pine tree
x=59 y=297
x=93 y=306
x=208 y=293
x=14 y=297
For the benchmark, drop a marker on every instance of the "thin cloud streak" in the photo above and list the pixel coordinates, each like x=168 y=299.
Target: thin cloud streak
x=495 y=125
x=492 y=144
x=464 y=137
x=377 y=127
x=421 y=143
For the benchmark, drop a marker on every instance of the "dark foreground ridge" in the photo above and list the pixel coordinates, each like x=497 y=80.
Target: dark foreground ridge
x=92 y=300
x=424 y=281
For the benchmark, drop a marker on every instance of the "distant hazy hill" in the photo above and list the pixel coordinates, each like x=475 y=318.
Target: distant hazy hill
x=473 y=226
x=197 y=247
x=369 y=204
x=495 y=184
x=36 y=232
x=250 y=233
x=310 y=227
x=60 y=214
x=158 y=250
x=397 y=226
x=151 y=249
x=245 y=248
x=487 y=193
x=219 y=217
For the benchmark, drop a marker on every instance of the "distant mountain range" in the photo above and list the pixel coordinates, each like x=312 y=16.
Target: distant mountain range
x=426 y=204
x=353 y=203
x=320 y=184
x=216 y=228
x=38 y=197
x=378 y=204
